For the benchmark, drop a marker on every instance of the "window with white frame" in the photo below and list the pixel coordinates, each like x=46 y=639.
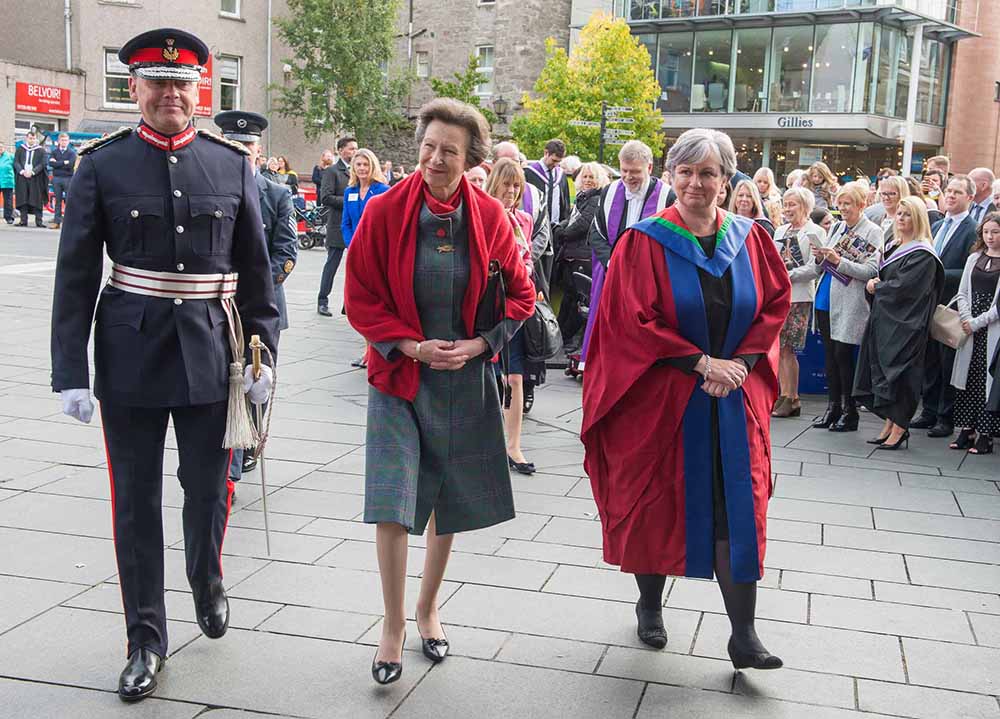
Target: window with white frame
x=229 y=83
x=485 y=55
x=423 y=64
x=116 y=81
x=230 y=7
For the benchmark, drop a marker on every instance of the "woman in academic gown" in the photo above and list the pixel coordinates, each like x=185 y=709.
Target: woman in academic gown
x=678 y=393
x=903 y=296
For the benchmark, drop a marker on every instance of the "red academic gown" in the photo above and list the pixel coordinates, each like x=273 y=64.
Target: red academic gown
x=646 y=424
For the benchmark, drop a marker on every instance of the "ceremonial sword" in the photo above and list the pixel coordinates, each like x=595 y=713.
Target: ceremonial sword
x=255 y=347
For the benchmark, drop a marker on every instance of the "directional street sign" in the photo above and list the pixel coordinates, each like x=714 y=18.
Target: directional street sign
x=620 y=109
x=584 y=123
x=621 y=120
x=613 y=131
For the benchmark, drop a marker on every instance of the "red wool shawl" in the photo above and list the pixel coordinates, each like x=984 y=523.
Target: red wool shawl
x=378 y=294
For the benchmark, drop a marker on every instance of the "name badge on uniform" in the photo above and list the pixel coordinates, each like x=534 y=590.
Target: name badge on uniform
x=352 y=198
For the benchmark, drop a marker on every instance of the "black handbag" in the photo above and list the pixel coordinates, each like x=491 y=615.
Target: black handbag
x=542 y=338
x=492 y=311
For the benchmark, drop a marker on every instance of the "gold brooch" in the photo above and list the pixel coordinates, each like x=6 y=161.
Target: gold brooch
x=170 y=53
x=445 y=249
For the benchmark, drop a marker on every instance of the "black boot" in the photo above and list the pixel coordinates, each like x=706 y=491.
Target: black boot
x=138 y=678
x=211 y=607
x=745 y=648
x=649 y=610
x=830 y=417
x=848 y=421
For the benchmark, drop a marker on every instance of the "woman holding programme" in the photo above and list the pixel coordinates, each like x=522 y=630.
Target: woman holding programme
x=416 y=274
x=506 y=183
x=849 y=259
x=978 y=293
x=795 y=239
x=676 y=399
x=903 y=296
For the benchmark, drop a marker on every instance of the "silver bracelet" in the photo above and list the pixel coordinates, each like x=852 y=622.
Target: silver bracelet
x=417 y=353
x=708 y=367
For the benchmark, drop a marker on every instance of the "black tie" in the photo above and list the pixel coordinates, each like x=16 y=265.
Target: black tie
x=552 y=190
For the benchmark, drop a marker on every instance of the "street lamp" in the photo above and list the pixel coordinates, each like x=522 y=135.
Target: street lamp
x=500 y=107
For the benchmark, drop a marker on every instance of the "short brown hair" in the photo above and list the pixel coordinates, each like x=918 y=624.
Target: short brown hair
x=504 y=171
x=941 y=161
x=464 y=115
x=968 y=185
x=980 y=244
x=556 y=147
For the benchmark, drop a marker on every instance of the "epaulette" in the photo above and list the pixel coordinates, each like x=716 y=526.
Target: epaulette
x=231 y=144
x=91 y=145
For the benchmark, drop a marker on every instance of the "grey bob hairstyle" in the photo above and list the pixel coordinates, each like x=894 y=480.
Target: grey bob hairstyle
x=698 y=145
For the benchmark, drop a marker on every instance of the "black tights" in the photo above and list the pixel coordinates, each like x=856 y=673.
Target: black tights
x=839 y=361
x=740 y=598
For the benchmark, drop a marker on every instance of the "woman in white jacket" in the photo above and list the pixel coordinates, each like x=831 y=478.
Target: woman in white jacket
x=977 y=308
x=795 y=240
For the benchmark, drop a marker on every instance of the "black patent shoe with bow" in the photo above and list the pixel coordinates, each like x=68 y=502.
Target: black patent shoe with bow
x=138 y=678
x=388 y=672
x=434 y=649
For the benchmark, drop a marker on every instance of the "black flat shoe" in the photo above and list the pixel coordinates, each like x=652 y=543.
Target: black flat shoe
x=650 y=628
x=138 y=679
x=529 y=397
x=829 y=418
x=359 y=363
x=211 y=607
x=521 y=467
x=249 y=460
x=388 y=672
x=940 y=430
x=984 y=445
x=923 y=422
x=848 y=422
x=434 y=649
x=324 y=310
x=752 y=660
x=966 y=438
x=904 y=439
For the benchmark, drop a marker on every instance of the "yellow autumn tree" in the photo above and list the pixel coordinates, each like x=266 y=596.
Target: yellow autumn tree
x=609 y=64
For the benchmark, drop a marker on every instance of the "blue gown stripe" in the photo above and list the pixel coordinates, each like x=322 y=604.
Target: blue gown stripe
x=683 y=260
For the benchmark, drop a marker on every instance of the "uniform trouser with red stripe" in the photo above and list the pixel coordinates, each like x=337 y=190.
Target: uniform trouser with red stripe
x=135 y=438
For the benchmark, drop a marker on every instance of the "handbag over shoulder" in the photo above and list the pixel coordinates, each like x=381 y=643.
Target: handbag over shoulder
x=946 y=326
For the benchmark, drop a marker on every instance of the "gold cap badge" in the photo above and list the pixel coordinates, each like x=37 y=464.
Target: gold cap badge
x=170 y=53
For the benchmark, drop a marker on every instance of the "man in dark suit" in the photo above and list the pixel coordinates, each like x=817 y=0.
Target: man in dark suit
x=279 y=228
x=31 y=182
x=335 y=179
x=183 y=230
x=952 y=238
x=62 y=162
x=548 y=177
x=982 y=201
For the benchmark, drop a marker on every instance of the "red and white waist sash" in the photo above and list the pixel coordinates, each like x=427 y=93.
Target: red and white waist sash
x=174 y=285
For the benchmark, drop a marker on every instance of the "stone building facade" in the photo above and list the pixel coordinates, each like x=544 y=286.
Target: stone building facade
x=508 y=36
x=36 y=62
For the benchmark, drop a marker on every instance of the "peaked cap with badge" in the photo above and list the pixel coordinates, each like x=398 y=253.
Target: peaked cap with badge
x=165 y=54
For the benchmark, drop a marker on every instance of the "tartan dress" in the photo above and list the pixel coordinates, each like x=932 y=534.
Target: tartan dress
x=444 y=452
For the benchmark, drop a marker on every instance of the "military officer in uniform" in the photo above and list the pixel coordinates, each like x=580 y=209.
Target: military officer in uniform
x=279 y=228
x=178 y=212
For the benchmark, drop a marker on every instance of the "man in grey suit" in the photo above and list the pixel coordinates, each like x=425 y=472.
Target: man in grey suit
x=335 y=179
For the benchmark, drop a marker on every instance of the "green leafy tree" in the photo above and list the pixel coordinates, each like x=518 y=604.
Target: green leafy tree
x=340 y=79
x=463 y=88
x=608 y=64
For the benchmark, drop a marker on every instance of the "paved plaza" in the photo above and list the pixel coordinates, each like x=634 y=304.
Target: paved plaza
x=882 y=591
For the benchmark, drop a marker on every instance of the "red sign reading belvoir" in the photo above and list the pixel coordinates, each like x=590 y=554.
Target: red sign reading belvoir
x=42 y=99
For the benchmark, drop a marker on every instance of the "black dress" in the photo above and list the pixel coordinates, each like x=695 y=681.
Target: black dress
x=970 y=404
x=890 y=372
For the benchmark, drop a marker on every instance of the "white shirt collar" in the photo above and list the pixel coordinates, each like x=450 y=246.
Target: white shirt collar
x=641 y=194
x=959 y=217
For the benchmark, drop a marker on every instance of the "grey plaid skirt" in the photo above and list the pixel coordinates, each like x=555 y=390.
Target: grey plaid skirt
x=445 y=451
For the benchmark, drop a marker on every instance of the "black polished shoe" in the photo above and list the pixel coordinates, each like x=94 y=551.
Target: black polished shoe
x=650 y=628
x=138 y=678
x=941 y=430
x=752 y=660
x=211 y=609
x=434 y=649
x=527 y=468
x=829 y=418
x=249 y=460
x=848 y=422
x=923 y=422
x=324 y=309
x=388 y=672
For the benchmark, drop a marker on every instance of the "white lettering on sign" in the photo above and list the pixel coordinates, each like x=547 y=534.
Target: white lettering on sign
x=45 y=91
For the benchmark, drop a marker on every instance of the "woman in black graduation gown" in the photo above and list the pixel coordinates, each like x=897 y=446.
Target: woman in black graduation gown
x=903 y=297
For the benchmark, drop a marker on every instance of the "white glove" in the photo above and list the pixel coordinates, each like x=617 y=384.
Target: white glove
x=77 y=404
x=260 y=389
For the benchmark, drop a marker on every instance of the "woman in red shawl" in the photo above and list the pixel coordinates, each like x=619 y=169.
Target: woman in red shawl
x=435 y=451
x=680 y=382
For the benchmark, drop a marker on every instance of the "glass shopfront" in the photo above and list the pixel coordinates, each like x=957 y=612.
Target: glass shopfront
x=842 y=68
x=639 y=10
